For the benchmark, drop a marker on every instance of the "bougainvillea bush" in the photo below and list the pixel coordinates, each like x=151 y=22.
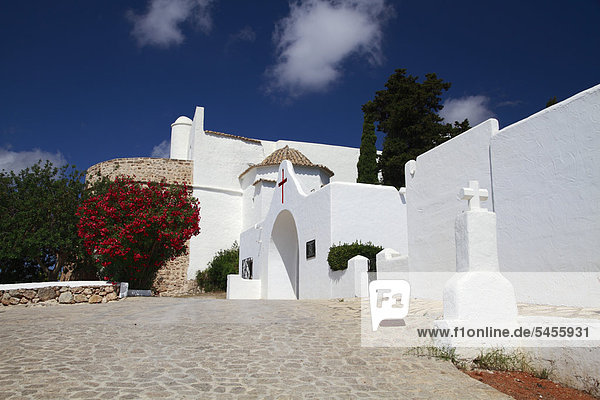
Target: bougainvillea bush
x=132 y=229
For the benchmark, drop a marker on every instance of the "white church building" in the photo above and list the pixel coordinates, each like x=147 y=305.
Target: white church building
x=286 y=203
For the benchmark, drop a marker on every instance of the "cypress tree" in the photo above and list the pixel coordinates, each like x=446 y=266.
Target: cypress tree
x=367 y=161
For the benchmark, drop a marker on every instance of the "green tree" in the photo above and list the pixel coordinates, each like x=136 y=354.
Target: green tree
x=225 y=262
x=407 y=112
x=367 y=161
x=552 y=101
x=38 y=225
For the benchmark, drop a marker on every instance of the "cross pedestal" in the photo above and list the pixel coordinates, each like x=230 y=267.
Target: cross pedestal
x=478 y=292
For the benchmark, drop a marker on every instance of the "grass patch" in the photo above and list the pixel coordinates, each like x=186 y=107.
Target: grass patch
x=491 y=359
x=501 y=360
x=441 y=353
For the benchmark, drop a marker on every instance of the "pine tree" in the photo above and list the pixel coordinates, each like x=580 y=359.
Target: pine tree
x=367 y=161
x=407 y=112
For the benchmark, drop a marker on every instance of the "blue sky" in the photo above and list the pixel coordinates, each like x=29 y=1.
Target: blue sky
x=86 y=81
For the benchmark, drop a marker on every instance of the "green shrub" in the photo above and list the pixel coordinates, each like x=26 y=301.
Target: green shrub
x=224 y=263
x=340 y=254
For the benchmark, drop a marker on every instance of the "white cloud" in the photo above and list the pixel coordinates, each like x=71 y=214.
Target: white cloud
x=510 y=103
x=160 y=25
x=318 y=35
x=246 y=34
x=475 y=108
x=18 y=160
x=162 y=150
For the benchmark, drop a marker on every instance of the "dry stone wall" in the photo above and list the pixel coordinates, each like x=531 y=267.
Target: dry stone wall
x=60 y=294
x=171 y=278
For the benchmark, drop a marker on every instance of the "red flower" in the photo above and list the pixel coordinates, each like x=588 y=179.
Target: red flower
x=133 y=229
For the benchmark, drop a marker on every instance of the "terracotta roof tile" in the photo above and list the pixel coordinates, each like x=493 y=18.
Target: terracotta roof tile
x=233 y=136
x=291 y=154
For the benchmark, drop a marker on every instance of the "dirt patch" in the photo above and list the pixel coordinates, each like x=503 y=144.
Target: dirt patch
x=210 y=295
x=524 y=386
x=213 y=295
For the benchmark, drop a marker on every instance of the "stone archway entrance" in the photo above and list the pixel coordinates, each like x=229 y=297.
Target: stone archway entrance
x=284 y=258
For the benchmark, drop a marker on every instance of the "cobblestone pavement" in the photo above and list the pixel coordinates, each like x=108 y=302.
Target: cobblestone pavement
x=194 y=348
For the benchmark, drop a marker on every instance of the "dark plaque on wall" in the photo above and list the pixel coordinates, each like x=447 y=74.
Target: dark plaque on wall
x=247 y=268
x=311 y=249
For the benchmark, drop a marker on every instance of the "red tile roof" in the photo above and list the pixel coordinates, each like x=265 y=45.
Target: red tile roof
x=233 y=136
x=291 y=154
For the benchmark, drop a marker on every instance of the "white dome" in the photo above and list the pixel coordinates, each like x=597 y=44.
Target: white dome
x=183 y=120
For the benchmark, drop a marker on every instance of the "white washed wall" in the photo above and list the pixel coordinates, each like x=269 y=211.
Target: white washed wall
x=220 y=226
x=546 y=173
x=219 y=160
x=369 y=213
x=311 y=179
x=314 y=223
x=432 y=203
x=543 y=175
x=250 y=245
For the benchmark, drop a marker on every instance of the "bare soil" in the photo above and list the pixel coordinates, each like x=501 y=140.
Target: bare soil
x=524 y=386
x=209 y=295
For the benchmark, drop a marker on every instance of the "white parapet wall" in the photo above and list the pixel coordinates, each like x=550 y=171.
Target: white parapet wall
x=347 y=283
x=238 y=288
x=389 y=261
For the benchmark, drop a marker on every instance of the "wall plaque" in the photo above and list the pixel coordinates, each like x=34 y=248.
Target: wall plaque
x=247 y=268
x=311 y=249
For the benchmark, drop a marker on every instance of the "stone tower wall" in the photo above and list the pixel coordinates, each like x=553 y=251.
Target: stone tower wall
x=145 y=169
x=171 y=279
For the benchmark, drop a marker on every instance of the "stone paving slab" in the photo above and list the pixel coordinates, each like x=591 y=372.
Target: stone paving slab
x=193 y=348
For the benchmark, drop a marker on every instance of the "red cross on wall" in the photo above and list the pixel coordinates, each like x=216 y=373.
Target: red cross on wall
x=283 y=180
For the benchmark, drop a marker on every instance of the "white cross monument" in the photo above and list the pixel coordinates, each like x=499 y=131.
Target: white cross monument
x=478 y=292
x=474 y=196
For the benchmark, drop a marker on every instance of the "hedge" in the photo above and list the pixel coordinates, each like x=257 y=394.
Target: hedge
x=340 y=254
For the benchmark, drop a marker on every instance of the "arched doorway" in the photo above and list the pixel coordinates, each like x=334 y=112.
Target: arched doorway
x=283 y=258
